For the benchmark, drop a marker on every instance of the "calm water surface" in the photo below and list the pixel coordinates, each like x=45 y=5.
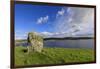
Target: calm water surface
x=81 y=43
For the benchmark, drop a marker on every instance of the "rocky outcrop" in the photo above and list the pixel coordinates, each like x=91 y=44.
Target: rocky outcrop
x=36 y=42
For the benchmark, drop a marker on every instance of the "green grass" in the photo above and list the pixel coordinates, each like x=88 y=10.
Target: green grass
x=53 y=56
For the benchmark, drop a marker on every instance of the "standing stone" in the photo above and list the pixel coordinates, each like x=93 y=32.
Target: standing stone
x=36 y=42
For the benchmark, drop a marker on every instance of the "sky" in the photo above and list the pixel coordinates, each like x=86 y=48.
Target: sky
x=53 y=21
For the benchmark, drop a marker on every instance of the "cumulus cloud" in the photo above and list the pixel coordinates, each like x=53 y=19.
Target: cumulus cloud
x=53 y=34
x=46 y=34
x=20 y=35
x=76 y=21
x=60 y=12
x=42 y=20
x=73 y=21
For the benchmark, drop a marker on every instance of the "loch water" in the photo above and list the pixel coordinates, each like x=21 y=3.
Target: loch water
x=80 y=43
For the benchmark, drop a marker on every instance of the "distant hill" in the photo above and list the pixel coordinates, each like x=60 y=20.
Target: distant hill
x=56 y=38
x=20 y=40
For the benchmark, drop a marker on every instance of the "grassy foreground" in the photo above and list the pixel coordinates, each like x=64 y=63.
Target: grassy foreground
x=52 y=56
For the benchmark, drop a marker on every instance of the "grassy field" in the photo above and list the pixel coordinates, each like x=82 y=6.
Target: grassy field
x=52 y=56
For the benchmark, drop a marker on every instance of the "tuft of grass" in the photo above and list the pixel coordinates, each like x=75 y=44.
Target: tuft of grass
x=52 y=56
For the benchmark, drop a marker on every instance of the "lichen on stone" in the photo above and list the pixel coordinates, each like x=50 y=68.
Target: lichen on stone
x=36 y=42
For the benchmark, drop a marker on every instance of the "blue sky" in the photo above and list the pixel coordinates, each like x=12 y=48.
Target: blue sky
x=53 y=21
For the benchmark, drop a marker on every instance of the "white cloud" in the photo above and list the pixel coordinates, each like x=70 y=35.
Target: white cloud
x=20 y=35
x=42 y=19
x=60 y=13
x=46 y=18
x=68 y=9
x=46 y=33
x=54 y=34
x=75 y=21
x=70 y=21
